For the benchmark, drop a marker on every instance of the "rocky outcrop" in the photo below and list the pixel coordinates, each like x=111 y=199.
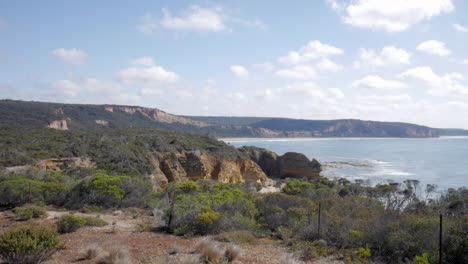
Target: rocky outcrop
x=196 y=165
x=64 y=163
x=298 y=165
x=290 y=164
x=58 y=124
x=102 y=122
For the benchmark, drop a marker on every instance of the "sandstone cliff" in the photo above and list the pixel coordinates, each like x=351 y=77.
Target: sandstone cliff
x=196 y=165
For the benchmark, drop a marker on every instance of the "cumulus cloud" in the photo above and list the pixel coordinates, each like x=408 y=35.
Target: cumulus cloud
x=147 y=76
x=434 y=47
x=301 y=71
x=313 y=50
x=240 y=71
x=388 y=55
x=91 y=90
x=391 y=16
x=377 y=82
x=328 y=65
x=460 y=28
x=441 y=85
x=195 y=18
x=71 y=56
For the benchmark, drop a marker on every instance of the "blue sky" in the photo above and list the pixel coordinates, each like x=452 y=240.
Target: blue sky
x=382 y=60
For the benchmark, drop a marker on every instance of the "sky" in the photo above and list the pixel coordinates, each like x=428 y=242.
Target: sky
x=399 y=60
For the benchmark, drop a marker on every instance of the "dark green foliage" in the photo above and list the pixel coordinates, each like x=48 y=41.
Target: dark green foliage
x=124 y=151
x=70 y=223
x=28 y=244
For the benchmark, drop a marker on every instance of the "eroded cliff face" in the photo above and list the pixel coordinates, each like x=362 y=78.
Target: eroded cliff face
x=196 y=165
x=157 y=115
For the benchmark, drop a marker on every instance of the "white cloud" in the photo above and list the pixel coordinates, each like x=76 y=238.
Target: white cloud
x=91 y=90
x=336 y=92
x=313 y=50
x=303 y=90
x=240 y=71
x=328 y=66
x=194 y=18
x=377 y=82
x=144 y=61
x=434 y=47
x=460 y=28
x=301 y=71
x=392 y=16
x=71 y=56
x=388 y=55
x=147 y=76
x=441 y=85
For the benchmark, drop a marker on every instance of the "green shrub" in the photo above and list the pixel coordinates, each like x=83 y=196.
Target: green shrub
x=28 y=244
x=95 y=221
x=70 y=223
x=422 y=259
x=29 y=211
x=237 y=237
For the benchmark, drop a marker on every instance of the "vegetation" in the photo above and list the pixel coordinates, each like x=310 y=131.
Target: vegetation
x=70 y=223
x=388 y=223
x=29 y=211
x=123 y=151
x=28 y=244
x=74 y=189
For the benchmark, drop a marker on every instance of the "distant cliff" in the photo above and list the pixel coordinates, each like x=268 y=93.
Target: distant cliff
x=104 y=117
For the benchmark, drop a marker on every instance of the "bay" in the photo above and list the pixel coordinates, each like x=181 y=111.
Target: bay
x=442 y=161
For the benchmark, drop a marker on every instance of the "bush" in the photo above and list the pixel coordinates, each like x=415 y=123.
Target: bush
x=70 y=223
x=237 y=237
x=95 y=221
x=28 y=244
x=29 y=211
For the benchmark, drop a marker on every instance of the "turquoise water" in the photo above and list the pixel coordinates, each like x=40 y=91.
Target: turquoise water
x=441 y=161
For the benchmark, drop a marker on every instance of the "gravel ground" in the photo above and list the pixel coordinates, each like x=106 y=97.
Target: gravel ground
x=148 y=246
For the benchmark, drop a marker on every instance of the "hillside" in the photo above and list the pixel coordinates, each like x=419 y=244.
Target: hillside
x=77 y=117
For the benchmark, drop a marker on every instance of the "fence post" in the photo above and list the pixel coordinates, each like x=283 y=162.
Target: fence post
x=440 y=240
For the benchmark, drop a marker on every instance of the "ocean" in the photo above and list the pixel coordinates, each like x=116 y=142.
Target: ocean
x=442 y=161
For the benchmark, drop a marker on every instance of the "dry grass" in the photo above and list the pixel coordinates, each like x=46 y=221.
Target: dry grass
x=115 y=256
x=232 y=252
x=209 y=251
x=92 y=252
x=289 y=259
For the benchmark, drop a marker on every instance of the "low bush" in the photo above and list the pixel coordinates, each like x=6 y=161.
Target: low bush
x=92 y=252
x=95 y=221
x=28 y=244
x=29 y=211
x=70 y=223
x=115 y=256
x=237 y=237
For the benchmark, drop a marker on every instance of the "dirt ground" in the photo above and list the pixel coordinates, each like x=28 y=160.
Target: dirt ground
x=146 y=246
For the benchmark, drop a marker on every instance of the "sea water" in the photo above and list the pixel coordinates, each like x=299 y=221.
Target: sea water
x=442 y=161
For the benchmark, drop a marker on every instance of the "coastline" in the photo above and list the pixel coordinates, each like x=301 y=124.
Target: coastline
x=247 y=139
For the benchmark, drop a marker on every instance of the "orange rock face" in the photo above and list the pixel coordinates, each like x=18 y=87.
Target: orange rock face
x=196 y=165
